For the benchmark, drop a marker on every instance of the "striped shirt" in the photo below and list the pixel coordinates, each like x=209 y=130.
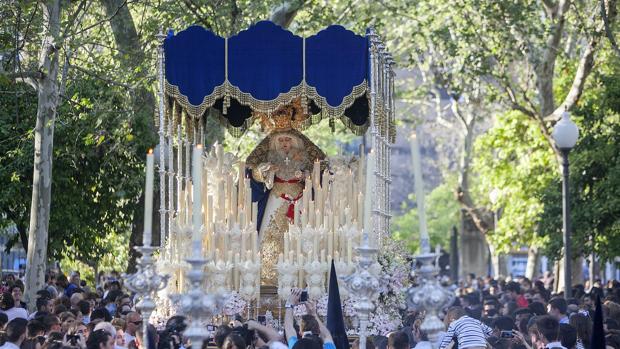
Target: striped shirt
x=469 y=333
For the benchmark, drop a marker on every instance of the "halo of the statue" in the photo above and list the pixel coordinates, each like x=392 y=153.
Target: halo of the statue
x=265 y=67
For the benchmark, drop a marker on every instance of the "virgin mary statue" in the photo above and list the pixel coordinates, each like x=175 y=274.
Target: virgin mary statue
x=278 y=167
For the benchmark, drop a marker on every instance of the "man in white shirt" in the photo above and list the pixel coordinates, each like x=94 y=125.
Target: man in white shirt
x=7 y=306
x=15 y=333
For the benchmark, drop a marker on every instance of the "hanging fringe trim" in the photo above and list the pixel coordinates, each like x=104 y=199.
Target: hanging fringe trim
x=303 y=91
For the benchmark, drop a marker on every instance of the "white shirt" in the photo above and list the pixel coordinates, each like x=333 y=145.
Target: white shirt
x=128 y=338
x=423 y=345
x=9 y=345
x=15 y=313
x=555 y=345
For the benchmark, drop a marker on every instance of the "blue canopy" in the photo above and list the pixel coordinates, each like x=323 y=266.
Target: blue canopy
x=265 y=67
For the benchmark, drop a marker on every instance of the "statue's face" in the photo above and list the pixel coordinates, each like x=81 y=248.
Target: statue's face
x=285 y=143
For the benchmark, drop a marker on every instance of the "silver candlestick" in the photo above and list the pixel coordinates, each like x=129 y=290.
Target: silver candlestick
x=429 y=295
x=199 y=306
x=363 y=285
x=145 y=282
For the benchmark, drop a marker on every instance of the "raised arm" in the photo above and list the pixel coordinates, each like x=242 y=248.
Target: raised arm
x=325 y=334
x=269 y=333
x=289 y=329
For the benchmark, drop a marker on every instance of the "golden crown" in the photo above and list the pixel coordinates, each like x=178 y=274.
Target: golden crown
x=286 y=117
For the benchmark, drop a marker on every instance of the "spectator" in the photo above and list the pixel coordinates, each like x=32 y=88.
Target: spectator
x=52 y=324
x=67 y=321
x=133 y=321
x=43 y=306
x=513 y=292
x=84 y=308
x=289 y=329
x=17 y=291
x=7 y=306
x=466 y=331
x=100 y=339
x=4 y=319
x=369 y=344
x=544 y=333
x=50 y=281
x=15 y=333
x=73 y=285
x=537 y=308
x=557 y=309
x=583 y=329
x=101 y=313
x=398 y=340
x=234 y=341
x=568 y=336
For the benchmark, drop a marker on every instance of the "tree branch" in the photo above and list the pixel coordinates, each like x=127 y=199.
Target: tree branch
x=586 y=63
x=284 y=14
x=608 y=32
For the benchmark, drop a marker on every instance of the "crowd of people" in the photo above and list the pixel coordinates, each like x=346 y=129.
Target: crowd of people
x=487 y=313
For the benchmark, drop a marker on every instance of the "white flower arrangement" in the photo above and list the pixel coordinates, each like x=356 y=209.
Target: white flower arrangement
x=235 y=305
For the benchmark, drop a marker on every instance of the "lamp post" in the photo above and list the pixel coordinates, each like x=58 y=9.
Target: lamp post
x=565 y=134
x=494 y=198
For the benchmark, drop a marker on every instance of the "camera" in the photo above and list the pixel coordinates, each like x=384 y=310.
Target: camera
x=506 y=334
x=73 y=338
x=262 y=320
x=304 y=296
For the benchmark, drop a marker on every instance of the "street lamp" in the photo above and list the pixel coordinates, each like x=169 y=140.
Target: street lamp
x=565 y=134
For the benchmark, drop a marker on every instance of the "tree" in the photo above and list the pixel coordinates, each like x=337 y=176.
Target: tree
x=594 y=185
x=47 y=104
x=442 y=214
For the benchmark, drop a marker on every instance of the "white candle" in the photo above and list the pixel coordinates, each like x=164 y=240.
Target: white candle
x=197 y=214
x=236 y=270
x=315 y=249
x=221 y=214
x=298 y=247
x=234 y=201
x=255 y=215
x=241 y=183
x=296 y=216
x=330 y=243
x=286 y=247
x=209 y=212
x=148 y=200
x=311 y=213
x=301 y=271
x=243 y=246
x=349 y=251
x=254 y=236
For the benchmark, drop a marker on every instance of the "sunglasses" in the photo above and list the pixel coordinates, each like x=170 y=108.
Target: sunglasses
x=137 y=322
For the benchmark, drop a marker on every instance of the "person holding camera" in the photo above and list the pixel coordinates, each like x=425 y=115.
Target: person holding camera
x=309 y=326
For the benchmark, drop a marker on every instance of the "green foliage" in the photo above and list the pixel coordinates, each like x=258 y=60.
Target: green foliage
x=442 y=213
x=594 y=167
x=514 y=157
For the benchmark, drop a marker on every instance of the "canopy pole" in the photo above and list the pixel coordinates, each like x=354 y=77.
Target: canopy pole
x=163 y=232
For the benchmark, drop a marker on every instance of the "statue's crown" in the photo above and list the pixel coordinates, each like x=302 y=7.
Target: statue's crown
x=286 y=117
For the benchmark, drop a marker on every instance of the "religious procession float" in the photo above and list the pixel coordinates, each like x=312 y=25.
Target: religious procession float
x=278 y=218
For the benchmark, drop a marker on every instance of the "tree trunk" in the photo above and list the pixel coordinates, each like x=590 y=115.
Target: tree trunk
x=43 y=150
x=533 y=257
x=473 y=248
